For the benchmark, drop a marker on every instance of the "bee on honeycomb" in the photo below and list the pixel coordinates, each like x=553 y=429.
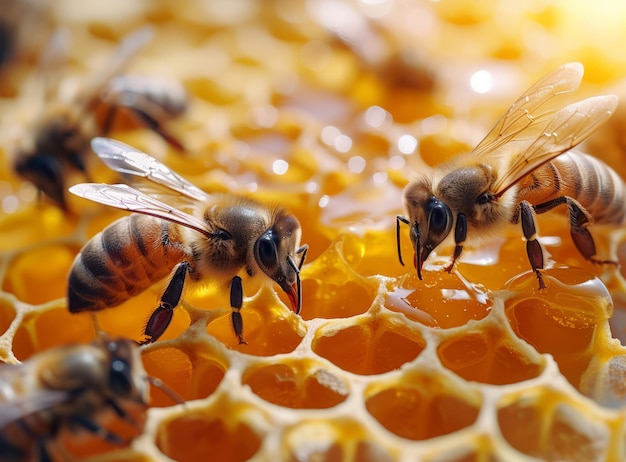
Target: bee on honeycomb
x=478 y=363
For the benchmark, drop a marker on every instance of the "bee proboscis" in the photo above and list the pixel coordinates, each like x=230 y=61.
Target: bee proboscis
x=59 y=138
x=68 y=387
x=524 y=166
x=222 y=236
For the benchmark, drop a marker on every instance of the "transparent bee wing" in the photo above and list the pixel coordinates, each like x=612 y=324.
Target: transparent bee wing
x=125 y=197
x=569 y=127
x=52 y=59
x=527 y=117
x=15 y=405
x=123 y=158
x=127 y=49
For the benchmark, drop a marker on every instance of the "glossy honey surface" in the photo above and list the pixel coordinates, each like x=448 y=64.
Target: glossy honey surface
x=330 y=108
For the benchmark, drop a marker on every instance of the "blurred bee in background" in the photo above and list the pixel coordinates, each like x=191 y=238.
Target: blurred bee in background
x=523 y=167
x=59 y=139
x=222 y=235
x=68 y=387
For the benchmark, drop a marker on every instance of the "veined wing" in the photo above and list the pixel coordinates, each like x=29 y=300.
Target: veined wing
x=125 y=197
x=20 y=407
x=123 y=158
x=15 y=404
x=126 y=50
x=527 y=116
x=569 y=127
x=51 y=62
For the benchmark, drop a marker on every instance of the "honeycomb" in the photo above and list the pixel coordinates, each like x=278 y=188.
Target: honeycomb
x=330 y=108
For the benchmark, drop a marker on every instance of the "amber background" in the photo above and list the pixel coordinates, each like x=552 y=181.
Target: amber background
x=356 y=98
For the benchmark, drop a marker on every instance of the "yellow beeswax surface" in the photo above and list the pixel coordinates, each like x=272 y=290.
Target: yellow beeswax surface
x=330 y=108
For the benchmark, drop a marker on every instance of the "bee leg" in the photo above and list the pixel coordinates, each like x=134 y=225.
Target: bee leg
x=43 y=455
x=120 y=412
x=12 y=452
x=158 y=128
x=108 y=118
x=78 y=161
x=236 y=302
x=460 y=233
x=147 y=111
x=579 y=220
x=162 y=315
x=96 y=429
x=533 y=247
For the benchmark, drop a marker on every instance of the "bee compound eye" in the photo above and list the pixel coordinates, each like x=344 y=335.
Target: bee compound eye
x=439 y=217
x=120 y=377
x=267 y=249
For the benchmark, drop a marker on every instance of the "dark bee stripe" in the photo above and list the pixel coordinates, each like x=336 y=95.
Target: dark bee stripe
x=594 y=185
x=122 y=261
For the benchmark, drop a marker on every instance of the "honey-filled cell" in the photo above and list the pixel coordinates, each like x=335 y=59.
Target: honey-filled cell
x=440 y=300
x=26 y=227
x=269 y=327
x=188 y=379
x=332 y=440
x=42 y=330
x=332 y=289
x=562 y=318
x=604 y=381
x=297 y=384
x=329 y=109
x=496 y=260
x=371 y=345
x=545 y=424
x=222 y=430
x=476 y=449
x=488 y=356
x=331 y=301
x=422 y=406
x=372 y=252
x=39 y=275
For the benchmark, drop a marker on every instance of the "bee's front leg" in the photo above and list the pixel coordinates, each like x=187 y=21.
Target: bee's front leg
x=236 y=302
x=162 y=315
x=96 y=429
x=144 y=110
x=525 y=212
x=460 y=234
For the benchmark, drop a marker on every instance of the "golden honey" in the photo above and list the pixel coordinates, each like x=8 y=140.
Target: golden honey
x=330 y=108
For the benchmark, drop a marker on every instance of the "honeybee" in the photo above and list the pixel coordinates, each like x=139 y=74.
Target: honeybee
x=523 y=167
x=222 y=235
x=60 y=138
x=68 y=387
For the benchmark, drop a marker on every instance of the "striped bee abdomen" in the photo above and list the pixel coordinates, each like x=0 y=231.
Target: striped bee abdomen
x=123 y=260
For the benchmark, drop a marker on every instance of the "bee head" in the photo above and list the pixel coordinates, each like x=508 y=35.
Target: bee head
x=276 y=250
x=45 y=172
x=108 y=367
x=126 y=378
x=44 y=159
x=430 y=220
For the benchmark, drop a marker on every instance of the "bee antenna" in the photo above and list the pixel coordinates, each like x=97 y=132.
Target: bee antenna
x=302 y=250
x=158 y=383
x=400 y=219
